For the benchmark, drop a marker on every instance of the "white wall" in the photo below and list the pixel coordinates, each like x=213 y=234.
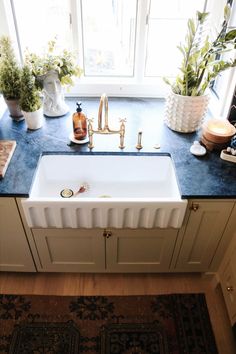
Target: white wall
x=4 y=29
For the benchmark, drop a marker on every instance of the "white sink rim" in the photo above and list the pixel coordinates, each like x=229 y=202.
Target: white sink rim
x=116 y=211
x=158 y=187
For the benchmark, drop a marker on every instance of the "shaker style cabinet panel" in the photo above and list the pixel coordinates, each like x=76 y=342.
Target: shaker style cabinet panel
x=202 y=234
x=70 y=250
x=228 y=285
x=98 y=250
x=140 y=250
x=15 y=254
x=227 y=271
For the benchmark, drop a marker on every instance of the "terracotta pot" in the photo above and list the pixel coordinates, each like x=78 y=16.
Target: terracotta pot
x=185 y=114
x=14 y=109
x=34 y=120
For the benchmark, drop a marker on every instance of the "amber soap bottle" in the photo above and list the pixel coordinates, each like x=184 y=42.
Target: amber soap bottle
x=79 y=123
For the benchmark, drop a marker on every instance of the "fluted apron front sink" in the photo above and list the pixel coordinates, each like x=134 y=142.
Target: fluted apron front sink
x=105 y=190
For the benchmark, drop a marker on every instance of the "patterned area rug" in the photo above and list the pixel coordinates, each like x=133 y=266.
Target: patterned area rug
x=162 y=324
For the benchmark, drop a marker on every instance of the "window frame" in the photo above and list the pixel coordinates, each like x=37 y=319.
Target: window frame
x=128 y=87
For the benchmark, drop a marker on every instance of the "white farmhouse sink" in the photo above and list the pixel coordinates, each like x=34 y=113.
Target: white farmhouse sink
x=124 y=190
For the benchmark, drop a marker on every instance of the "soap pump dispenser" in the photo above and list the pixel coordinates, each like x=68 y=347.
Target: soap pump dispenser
x=79 y=123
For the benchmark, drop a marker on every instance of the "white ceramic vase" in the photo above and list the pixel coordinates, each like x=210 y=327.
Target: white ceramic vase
x=54 y=102
x=185 y=114
x=34 y=120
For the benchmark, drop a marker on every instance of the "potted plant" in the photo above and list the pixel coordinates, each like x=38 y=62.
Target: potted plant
x=187 y=102
x=53 y=71
x=30 y=101
x=10 y=72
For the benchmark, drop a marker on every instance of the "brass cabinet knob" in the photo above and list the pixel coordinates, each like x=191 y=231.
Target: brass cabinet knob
x=230 y=288
x=107 y=233
x=194 y=206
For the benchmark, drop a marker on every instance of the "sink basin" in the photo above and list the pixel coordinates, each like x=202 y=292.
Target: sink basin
x=116 y=190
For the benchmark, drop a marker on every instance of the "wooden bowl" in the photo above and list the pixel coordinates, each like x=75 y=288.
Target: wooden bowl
x=218 y=131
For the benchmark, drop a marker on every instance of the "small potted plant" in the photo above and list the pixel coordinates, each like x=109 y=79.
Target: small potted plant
x=53 y=71
x=30 y=101
x=202 y=62
x=10 y=72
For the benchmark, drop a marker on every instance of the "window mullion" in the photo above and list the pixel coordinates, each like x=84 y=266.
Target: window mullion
x=141 y=39
x=75 y=24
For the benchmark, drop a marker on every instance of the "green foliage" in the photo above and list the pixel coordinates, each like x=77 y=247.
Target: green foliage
x=202 y=61
x=29 y=100
x=64 y=63
x=10 y=70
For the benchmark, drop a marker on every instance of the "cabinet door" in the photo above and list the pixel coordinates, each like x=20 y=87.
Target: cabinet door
x=70 y=250
x=15 y=254
x=202 y=235
x=140 y=250
x=228 y=284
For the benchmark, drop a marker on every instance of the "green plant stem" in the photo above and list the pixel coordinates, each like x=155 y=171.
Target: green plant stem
x=187 y=58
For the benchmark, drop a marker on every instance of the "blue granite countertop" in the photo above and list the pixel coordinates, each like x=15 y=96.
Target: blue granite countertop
x=199 y=177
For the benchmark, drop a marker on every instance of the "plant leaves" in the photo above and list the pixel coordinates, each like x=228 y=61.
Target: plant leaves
x=201 y=16
x=231 y=35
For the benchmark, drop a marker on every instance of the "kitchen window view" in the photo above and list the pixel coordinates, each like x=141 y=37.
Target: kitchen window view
x=125 y=47
x=118 y=41
x=112 y=192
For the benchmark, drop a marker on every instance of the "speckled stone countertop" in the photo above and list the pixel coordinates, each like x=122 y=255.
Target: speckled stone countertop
x=199 y=177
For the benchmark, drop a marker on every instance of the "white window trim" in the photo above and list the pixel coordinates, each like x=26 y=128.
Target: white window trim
x=219 y=107
x=129 y=87
x=120 y=86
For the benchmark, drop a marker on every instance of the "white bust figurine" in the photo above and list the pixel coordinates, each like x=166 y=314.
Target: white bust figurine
x=53 y=103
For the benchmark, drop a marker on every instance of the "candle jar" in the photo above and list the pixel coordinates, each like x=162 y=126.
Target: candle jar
x=218 y=131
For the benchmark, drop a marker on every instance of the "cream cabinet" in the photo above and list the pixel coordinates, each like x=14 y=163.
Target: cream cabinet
x=201 y=241
x=15 y=254
x=97 y=250
x=227 y=272
x=143 y=250
x=199 y=246
x=228 y=284
x=70 y=250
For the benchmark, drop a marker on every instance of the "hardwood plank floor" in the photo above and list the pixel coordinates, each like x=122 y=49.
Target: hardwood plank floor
x=126 y=284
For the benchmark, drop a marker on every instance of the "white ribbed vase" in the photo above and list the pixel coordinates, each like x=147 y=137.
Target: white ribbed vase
x=185 y=114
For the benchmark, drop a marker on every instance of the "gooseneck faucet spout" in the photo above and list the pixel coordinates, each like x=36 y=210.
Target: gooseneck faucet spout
x=103 y=106
x=103 y=103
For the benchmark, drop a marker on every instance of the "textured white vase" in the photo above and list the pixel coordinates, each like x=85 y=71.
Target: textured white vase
x=34 y=120
x=185 y=114
x=54 y=102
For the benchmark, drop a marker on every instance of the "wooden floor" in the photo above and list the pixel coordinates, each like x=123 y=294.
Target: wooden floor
x=126 y=284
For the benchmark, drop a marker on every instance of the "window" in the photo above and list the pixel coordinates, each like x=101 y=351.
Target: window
x=125 y=46
x=166 y=28
x=40 y=21
x=109 y=30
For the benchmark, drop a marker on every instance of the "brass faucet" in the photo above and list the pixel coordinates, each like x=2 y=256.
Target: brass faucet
x=105 y=129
